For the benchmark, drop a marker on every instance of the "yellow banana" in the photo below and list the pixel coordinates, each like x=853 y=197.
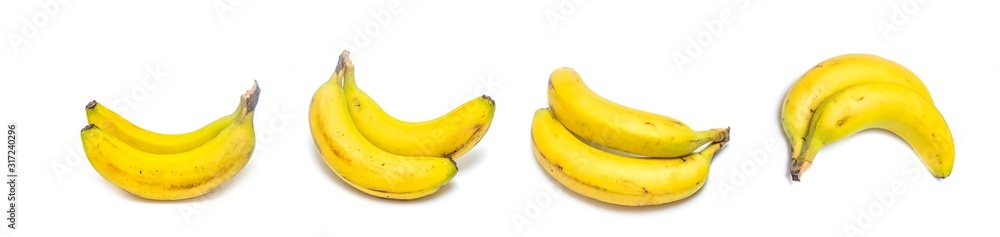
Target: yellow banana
x=833 y=75
x=615 y=126
x=613 y=178
x=359 y=162
x=888 y=106
x=153 y=142
x=174 y=176
x=451 y=135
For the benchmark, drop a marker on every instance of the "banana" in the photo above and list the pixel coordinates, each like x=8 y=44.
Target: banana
x=450 y=135
x=359 y=162
x=613 y=178
x=615 y=126
x=833 y=75
x=888 y=106
x=174 y=176
x=153 y=142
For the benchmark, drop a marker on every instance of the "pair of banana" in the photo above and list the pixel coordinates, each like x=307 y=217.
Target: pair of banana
x=849 y=93
x=665 y=170
x=169 y=166
x=381 y=155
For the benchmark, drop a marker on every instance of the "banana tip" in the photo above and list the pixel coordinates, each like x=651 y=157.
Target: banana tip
x=92 y=104
x=489 y=99
x=88 y=127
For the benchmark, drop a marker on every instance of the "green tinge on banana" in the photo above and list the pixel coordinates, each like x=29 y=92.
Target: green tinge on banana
x=174 y=176
x=618 y=127
x=450 y=135
x=153 y=142
x=360 y=163
x=888 y=106
x=833 y=75
x=614 y=178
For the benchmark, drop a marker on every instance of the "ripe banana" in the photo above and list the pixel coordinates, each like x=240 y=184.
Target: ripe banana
x=833 y=75
x=451 y=135
x=613 y=178
x=888 y=106
x=615 y=126
x=359 y=162
x=180 y=175
x=153 y=142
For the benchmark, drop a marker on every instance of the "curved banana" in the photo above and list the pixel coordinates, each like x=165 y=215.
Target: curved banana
x=174 y=176
x=359 y=162
x=615 y=126
x=153 y=142
x=833 y=75
x=451 y=135
x=613 y=178
x=888 y=106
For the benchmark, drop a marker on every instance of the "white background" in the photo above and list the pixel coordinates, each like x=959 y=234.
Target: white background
x=434 y=55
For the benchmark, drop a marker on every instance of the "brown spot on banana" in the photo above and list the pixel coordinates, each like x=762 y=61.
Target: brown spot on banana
x=355 y=102
x=842 y=121
x=475 y=133
x=678 y=123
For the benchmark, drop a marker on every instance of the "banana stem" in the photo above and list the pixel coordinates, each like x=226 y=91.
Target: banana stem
x=711 y=149
x=349 y=73
x=250 y=98
x=725 y=134
x=343 y=62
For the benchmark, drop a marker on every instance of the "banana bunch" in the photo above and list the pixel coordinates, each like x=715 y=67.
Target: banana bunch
x=381 y=155
x=849 y=93
x=169 y=166
x=665 y=170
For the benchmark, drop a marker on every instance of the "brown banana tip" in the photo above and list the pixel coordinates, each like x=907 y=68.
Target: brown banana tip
x=88 y=127
x=797 y=168
x=342 y=61
x=725 y=134
x=347 y=61
x=251 y=97
x=488 y=98
x=92 y=104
